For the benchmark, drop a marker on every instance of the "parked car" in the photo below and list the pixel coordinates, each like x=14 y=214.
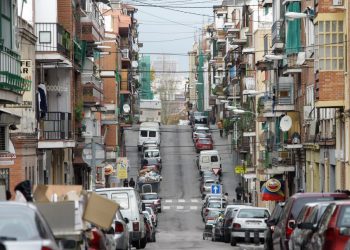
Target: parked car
x=203 y=144
x=153 y=156
x=200 y=130
x=152 y=198
x=149 y=145
x=249 y=220
x=333 y=229
x=212 y=215
x=203 y=136
x=284 y=228
x=218 y=229
x=23 y=227
x=209 y=174
x=209 y=160
x=229 y=214
x=308 y=216
x=271 y=222
x=152 y=163
x=153 y=214
x=149 y=131
x=131 y=207
x=213 y=205
x=151 y=229
x=206 y=186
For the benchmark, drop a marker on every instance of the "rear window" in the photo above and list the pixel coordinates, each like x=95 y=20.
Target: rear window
x=204 y=141
x=149 y=196
x=216 y=205
x=200 y=120
x=143 y=133
x=253 y=213
x=152 y=133
x=205 y=159
x=299 y=203
x=344 y=217
x=122 y=199
x=214 y=158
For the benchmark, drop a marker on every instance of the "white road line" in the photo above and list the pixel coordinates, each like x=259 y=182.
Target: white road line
x=166 y=207
x=182 y=201
x=179 y=207
x=168 y=201
x=193 y=207
x=194 y=200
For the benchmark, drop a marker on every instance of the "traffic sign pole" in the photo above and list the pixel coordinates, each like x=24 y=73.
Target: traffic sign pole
x=93 y=164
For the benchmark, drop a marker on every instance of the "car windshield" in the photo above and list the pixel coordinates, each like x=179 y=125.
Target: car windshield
x=149 y=196
x=344 y=217
x=253 y=213
x=153 y=153
x=214 y=213
x=20 y=223
x=204 y=141
x=209 y=183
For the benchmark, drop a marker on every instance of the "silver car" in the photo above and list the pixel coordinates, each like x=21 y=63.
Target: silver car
x=118 y=238
x=23 y=227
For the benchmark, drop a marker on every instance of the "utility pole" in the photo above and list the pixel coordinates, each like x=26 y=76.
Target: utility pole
x=93 y=164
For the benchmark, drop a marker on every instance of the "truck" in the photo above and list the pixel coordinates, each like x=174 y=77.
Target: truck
x=150 y=110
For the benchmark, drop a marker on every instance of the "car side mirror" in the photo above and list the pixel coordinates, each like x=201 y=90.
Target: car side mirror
x=126 y=220
x=291 y=224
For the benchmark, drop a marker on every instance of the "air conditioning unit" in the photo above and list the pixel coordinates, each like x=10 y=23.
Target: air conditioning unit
x=125 y=53
x=337 y=2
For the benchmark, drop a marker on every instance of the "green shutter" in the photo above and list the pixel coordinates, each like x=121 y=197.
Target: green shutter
x=293 y=30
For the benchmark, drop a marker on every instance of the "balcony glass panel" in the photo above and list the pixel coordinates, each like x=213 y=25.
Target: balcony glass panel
x=57 y=126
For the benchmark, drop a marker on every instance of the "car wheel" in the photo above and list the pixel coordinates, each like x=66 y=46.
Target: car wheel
x=143 y=243
x=233 y=241
x=226 y=239
x=197 y=150
x=154 y=237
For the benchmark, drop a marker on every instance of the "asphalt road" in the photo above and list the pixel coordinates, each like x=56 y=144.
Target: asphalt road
x=180 y=224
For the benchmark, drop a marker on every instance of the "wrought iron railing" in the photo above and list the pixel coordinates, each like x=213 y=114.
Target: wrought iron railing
x=277 y=32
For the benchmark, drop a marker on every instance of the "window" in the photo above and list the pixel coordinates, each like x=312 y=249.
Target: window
x=344 y=218
x=5 y=177
x=214 y=158
x=6 y=23
x=143 y=133
x=310 y=95
x=329 y=52
x=3 y=138
x=152 y=133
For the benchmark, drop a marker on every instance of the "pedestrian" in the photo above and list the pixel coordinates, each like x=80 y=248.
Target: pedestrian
x=226 y=196
x=126 y=183
x=8 y=195
x=220 y=127
x=239 y=192
x=132 y=183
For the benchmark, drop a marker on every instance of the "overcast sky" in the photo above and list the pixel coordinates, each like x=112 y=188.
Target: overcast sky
x=162 y=30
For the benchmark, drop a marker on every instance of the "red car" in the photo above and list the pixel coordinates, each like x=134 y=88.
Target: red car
x=333 y=230
x=203 y=144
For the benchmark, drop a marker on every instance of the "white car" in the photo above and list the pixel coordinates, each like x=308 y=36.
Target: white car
x=249 y=222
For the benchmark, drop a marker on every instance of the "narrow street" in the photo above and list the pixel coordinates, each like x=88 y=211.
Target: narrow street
x=180 y=223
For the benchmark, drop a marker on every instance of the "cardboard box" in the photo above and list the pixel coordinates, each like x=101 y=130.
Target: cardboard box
x=100 y=211
x=49 y=193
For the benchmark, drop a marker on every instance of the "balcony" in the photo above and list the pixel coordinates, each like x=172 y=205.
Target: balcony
x=53 y=43
x=92 y=95
x=12 y=85
x=124 y=86
x=126 y=58
x=278 y=35
x=266 y=3
x=125 y=120
x=79 y=51
x=56 y=131
x=109 y=118
x=285 y=94
x=92 y=22
x=282 y=161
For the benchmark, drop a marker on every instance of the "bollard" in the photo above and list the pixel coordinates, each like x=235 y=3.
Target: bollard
x=256 y=238
x=246 y=237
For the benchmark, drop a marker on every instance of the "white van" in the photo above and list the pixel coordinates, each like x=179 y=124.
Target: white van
x=131 y=207
x=209 y=160
x=149 y=131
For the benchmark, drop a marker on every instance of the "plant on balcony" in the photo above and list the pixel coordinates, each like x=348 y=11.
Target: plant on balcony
x=228 y=125
x=78 y=112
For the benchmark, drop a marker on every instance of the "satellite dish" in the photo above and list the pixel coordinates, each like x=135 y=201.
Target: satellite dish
x=134 y=64
x=126 y=108
x=286 y=123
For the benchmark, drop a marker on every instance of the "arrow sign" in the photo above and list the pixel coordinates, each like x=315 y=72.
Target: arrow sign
x=215 y=189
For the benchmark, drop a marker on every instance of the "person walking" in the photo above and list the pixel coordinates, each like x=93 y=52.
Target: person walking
x=239 y=192
x=132 y=183
x=126 y=183
x=220 y=127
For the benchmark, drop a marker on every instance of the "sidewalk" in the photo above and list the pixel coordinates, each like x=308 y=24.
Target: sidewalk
x=229 y=179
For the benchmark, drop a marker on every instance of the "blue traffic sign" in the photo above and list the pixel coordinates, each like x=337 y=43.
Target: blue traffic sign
x=216 y=189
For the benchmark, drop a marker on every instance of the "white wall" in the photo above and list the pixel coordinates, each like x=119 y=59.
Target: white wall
x=45 y=11
x=58 y=90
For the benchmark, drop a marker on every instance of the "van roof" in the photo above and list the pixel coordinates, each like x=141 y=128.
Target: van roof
x=209 y=152
x=114 y=189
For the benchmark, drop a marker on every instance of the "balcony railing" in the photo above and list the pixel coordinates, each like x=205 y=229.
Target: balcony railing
x=125 y=119
x=277 y=32
x=52 y=37
x=10 y=68
x=92 y=94
x=93 y=14
x=57 y=126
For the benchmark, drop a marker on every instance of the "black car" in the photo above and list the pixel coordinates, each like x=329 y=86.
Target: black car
x=271 y=222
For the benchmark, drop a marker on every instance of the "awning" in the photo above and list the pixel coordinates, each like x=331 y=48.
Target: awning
x=8 y=117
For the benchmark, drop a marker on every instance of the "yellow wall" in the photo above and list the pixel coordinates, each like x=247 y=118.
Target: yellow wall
x=312 y=171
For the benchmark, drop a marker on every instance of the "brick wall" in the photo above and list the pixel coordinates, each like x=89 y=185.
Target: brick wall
x=326 y=6
x=331 y=86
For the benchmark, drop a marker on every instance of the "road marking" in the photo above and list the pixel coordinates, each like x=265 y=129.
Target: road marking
x=193 y=207
x=179 y=207
x=166 y=207
x=182 y=201
x=168 y=201
x=194 y=200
